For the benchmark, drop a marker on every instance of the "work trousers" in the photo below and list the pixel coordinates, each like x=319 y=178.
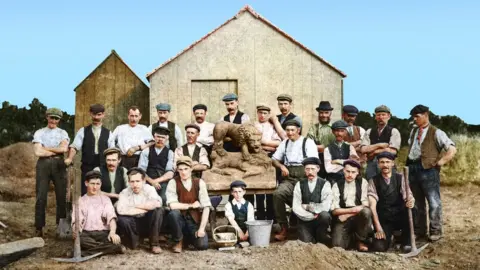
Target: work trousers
x=356 y=227
x=183 y=227
x=316 y=230
x=425 y=185
x=398 y=222
x=284 y=193
x=54 y=169
x=93 y=242
x=131 y=228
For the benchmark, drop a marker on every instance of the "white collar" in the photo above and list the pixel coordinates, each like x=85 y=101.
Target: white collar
x=241 y=202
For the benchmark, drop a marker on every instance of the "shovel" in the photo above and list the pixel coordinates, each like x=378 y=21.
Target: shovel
x=77 y=252
x=64 y=230
x=415 y=251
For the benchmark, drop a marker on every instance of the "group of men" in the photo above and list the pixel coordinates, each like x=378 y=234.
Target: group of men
x=137 y=176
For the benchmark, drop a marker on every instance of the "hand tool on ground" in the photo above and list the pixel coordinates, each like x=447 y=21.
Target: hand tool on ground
x=64 y=230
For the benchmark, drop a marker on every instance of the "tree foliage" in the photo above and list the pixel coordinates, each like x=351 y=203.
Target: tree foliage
x=19 y=124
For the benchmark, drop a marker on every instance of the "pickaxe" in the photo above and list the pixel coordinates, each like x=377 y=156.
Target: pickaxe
x=415 y=251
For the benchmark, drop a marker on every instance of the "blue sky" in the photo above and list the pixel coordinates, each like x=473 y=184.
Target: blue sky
x=399 y=54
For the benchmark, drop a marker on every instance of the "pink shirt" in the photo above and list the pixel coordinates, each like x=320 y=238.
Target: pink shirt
x=268 y=131
x=95 y=213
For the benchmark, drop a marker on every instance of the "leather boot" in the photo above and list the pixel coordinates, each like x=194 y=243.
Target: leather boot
x=178 y=247
x=282 y=235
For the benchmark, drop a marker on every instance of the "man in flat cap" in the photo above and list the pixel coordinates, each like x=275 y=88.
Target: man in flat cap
x=194 y=150
x=350 y=208
x=284 y=102
x=157 y=161
x=321 y=132
x=140 y=212
x=132 y=138
x=234 y=116
x=424 y=161
x=379 y=139
x=188 y=200
x=388 y=201
x=92 y=140
x=338 y=152
x=288 y=158
x=176 y=137
x=312 y=200
x=50 y=144
x=354 y=133
x=97 y=219
x=114 y=177
x=205 y=137
x=272 y=135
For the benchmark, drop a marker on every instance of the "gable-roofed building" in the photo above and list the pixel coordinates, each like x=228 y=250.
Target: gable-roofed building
x=253 y=58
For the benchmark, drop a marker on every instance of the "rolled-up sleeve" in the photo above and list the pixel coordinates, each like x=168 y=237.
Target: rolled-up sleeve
x=395 y=139
x=245 y=118
x=109 y=210
x=151 y=194
x=327 y=159
x=372 y=190
x=364 y=196
x=443 y=141
x=311 y=148
x=280 y=152
x=335 y=197
x=203 y=159
x=203 y=195
x=366 y=138
x=179 y=135
x=229 y=211
x=37 y=136
x=78 y=140
x=171 y=193
x=169 y=166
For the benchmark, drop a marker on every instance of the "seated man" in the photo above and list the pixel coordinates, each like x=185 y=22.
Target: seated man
x=157 y=161
x=239 y=210
x=98 y=222
x=312 y=199
x=352 y=217
x=195 y=151
x=388 y=201
x=140 y=212
x=337 y=152
x=114 y=176
x=190 y=205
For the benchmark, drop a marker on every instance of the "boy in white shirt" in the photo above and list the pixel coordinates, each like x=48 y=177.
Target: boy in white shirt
x=239 y=210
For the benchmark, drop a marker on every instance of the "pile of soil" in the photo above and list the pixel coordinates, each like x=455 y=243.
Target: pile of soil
x=17 y=171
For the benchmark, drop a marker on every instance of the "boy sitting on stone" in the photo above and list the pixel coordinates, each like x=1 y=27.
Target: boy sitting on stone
x=239 y=210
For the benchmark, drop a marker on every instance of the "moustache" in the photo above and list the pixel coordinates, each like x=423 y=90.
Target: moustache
x=199 y=118
x=230 y=109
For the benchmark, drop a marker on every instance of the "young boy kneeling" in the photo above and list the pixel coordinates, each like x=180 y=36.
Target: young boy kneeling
x=239 y=210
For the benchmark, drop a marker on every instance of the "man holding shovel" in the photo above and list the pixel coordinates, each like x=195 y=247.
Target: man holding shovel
x=97 y=220
x=389 y=199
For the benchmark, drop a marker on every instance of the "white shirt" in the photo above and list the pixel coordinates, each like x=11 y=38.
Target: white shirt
x=325 y=204
x=268 y=131
x=48 y=137
x=349 y=194
x=145 y=157
x=128 y=137
x=96 y=130
x=172 y=196
x=293 y=155
x=202 y=159
x=178 y=133
x=245 y=118
x=128 y=198
x=206 y=133
x=238 y=205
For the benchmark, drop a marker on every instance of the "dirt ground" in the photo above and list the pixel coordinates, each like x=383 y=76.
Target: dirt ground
x=459 y=249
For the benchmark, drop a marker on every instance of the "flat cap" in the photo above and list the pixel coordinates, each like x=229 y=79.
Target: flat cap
x=419 y=109
x=324 y=106
x=54 y=112
x=137 y=169
x=200 y=107
x=195 y=126
x=111 y=150
x=97 y=108
x=386 y=155
x=311 y=161
x=352 y=163
x=161 y=130
x=163 y=107
x=238 y=183
x=186 y=160
x=350 y=109
x=230 y=97
x=291 y=122
x=339 y=124
x=382 y=108
x=92 y=175
x=263 y=108
x=284 y=97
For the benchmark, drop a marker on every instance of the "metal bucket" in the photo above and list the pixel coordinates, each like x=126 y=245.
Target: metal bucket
x=259 y=232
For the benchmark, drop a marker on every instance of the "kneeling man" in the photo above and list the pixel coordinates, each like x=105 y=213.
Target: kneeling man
x=352 y=217
x=98 y=222
x=388 y=201
x=190 y=205
x=312 y=199
x=140 y=212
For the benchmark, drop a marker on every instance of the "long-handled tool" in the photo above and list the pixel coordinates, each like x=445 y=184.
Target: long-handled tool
x=64 y=230
x=415 y=251
x=77 y=252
